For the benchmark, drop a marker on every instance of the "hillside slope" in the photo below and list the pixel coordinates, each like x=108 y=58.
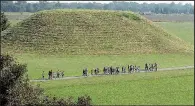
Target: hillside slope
x=90 y=32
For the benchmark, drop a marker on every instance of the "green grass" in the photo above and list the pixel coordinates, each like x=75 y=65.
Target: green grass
x=73 y=65
x=171 y=17
x=90 y=32
x=166 y=88
x=184 y=30
x=14 y=22
x=17 y=15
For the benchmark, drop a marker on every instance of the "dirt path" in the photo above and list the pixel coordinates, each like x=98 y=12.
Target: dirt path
x=142 y=70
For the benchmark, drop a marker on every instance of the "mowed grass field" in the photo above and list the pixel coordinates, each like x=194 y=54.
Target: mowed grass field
x=73 y=65
x=155 y=88
x=15 y=17
x=171 y=17
x=184 y=30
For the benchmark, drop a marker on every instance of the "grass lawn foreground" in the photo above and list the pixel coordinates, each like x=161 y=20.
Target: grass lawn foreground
x=165 y=87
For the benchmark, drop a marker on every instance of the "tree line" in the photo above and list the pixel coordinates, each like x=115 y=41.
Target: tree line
x=161 y=8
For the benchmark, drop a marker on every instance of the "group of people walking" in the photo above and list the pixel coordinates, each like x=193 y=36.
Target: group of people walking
x=106 y=70
x=52 y=74
x=151 y=67
x=130 y=68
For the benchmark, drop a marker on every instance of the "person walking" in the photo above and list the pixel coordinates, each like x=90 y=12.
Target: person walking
x=43 y=75
x=155 y=66
x=62 y=74
x=146 y=67
x=58 y=74
x=51 y=74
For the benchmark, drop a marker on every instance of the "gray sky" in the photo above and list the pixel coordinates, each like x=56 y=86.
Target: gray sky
x=183 y=2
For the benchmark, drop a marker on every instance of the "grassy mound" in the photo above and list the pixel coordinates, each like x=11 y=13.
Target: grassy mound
x=90 y=32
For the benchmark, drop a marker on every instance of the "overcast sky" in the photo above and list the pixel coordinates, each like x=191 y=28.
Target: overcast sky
x=183 y=2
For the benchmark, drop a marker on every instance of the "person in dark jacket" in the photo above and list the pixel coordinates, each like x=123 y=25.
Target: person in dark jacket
x=146 y=67
x=155 y=66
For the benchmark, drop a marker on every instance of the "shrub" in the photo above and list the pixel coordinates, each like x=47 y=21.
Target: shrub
x=15 y=87
x=135 y=17
x=84 y=101
x=131 y=16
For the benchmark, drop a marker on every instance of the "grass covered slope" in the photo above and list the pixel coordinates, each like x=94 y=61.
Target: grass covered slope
x=90 y=32
x=155 y=88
